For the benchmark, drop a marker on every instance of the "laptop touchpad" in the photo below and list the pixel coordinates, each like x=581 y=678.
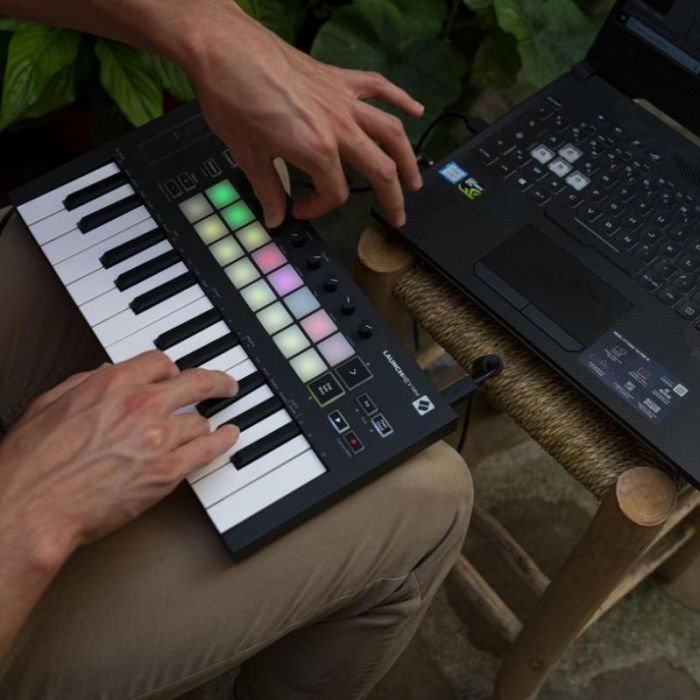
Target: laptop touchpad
x=552 y=288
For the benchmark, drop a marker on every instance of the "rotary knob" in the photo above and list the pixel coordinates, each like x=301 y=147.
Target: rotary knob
x=298 y=239
x=330 y=284
x=366 y=329
x=314 y=262
x=347 y=308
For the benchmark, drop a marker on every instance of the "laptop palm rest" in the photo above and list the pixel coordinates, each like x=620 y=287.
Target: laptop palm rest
x=552 y=289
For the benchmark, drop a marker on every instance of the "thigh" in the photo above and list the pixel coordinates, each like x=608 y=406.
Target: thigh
x=43 y=337
x=158 y=607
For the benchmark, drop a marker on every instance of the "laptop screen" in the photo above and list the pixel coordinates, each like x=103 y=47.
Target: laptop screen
x=651 y=49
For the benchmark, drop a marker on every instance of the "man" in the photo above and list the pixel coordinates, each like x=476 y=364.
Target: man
x=156 y=607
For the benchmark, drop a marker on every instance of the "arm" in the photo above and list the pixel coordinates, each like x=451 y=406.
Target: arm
x=264 y=98
x=89 y=456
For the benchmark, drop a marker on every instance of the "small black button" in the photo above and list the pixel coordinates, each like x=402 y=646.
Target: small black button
x=353 y=442
x=382 y=426
x=186 y=181
x=338 y=421
x=173 y=189
x=366 y=404
x=314 y=262
x=330 y=284
x=298 y=239
x=353 y=372
x=366 y=329
x=325 y=389
x=347 y=307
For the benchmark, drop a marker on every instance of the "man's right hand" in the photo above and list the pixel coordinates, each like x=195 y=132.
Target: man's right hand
x=102 y=447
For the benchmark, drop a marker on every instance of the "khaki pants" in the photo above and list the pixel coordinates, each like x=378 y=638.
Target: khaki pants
x=158 y=608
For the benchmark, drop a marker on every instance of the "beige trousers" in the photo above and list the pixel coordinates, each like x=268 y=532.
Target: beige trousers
x=158 y=607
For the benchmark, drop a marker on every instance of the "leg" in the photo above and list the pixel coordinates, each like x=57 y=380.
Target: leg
x=43 y=338
x=158 y=608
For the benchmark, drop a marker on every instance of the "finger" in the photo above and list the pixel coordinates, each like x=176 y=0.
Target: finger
x=322 y=164
x=375 y=86
x=200 y=451
x=53 y=395
x=380 y=171
x=269 y=190
x=195 y=385
x=388 y=130
x=152 y=366
x=187 y=427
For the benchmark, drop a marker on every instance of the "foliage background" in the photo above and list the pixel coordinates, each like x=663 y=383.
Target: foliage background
x=433 y=48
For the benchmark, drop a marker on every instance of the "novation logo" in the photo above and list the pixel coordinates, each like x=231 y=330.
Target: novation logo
x=423 y=405
x=466 y=183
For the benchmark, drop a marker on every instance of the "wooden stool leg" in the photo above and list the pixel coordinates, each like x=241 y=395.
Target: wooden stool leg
x=381 y=259
x=627 y=521
x=681 y=573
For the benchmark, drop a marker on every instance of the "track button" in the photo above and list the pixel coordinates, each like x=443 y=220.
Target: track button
x=325 y=389
x=338 y=421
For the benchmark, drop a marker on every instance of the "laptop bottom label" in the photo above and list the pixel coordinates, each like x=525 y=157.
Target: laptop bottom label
x=641 y=381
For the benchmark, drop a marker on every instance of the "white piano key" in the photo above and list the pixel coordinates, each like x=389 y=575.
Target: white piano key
x=230 y=360
x=227 y=479
x=198 y=341
x=75 y=242
x=102 y=280
x=88 y=260
x=114 y=302
x=51 y=202
x=143 y=340
x=260 y=494
x=63 y=221
x=261 y=429
x=256 y=397
x=126 y=323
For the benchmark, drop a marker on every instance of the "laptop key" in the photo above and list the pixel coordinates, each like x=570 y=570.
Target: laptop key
x=664 y=268
x=689 y=311
x=689 y=263
x=684 y=282
x=649 y=282
x=647 y=253
x=669 y=296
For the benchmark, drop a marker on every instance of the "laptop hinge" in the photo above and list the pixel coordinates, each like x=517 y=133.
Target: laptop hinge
x=583 y=70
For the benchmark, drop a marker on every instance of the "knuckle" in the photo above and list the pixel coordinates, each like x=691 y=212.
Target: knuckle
x=201 y=379
x=323 y=145
x=139 y=402
x=155 y=438
x=394 y=127
x=339 y=195
x=164 y=469
x=385 y=171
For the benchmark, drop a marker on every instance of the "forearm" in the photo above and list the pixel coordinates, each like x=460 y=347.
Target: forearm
x=176 y=29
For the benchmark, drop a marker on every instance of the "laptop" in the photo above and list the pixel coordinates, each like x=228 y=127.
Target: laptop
x=575 y=221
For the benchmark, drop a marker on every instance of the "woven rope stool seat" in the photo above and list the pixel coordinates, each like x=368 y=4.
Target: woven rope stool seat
x=580 y=436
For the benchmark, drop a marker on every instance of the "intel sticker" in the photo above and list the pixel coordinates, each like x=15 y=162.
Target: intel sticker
x=453 y=173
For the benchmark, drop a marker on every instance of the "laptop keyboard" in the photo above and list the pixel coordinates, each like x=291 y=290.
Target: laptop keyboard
x=597 y=181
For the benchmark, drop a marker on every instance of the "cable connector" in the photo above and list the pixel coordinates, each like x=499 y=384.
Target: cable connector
x=483 y=369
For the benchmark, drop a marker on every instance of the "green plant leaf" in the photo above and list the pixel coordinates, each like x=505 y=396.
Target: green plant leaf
x=36 y=54
x=552 y=35
x=9 y=24
x=374 y=35
x=59 y=92
x=496 y=62
x=478 y=5
x=284 y=17
x=126 y=76
x=171 y=77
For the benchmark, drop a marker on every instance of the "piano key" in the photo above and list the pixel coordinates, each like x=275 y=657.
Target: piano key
x=163 y=292
x=246 y=385
x=88 y=194
x=142 y=340
x=265 y=491
x=176 y=335
x=51 y=202
x=113 y=302
x=63 y=221
x=142 y=271
x=222 y=482
x=249 y=453
x=198 y=340
x=101 y=281
x=88 y=261
x=228 y=360
x=75 y=242
x=93 y=221
x=260 y=430
x=127 y=323
x=208 y=352
x=240 y=406
x=114 y=256
x=256 y=414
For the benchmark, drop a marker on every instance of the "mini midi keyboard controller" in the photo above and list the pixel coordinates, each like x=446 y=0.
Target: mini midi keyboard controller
x=158 y=240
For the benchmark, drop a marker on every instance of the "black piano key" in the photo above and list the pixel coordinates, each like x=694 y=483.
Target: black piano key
x=142 y=272
x=104 y=216
x=187 y=329
x=246 y=386
x=97 y=189
x=150 y=299
x=254 y=415
x=126 y=250
x=208 y=352
x=270 y=442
